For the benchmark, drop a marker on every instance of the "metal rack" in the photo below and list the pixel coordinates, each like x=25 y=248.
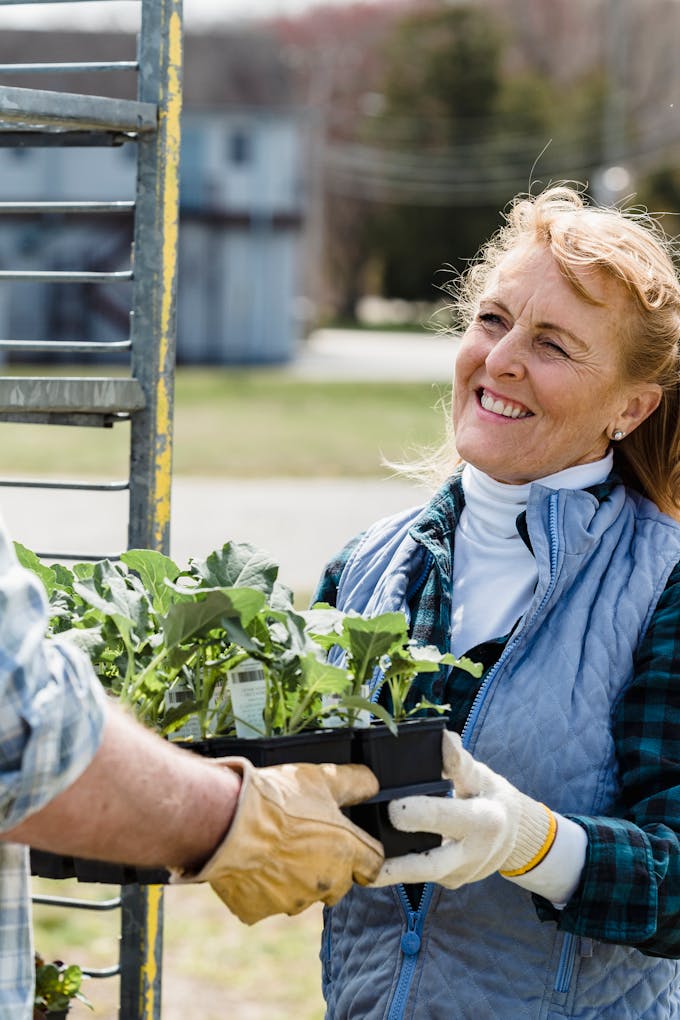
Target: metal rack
x=150 y=124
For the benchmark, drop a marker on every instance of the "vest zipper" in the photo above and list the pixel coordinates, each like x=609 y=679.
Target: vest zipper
x=412 y=937
x=487 y=683
x=411 y=942
x=565 y=967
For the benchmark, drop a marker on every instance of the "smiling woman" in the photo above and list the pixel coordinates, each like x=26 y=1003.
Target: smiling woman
x=540 y=382
x=551 y=554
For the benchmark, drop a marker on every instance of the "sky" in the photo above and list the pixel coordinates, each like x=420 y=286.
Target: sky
x=122 y=14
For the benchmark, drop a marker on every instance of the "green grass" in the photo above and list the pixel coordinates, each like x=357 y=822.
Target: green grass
x=249 y=423
x=213 y=966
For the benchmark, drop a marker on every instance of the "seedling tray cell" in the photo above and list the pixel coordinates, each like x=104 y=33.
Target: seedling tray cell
x=414 y=756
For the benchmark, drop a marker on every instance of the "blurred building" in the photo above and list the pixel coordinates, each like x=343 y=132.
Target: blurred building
x=242 y=197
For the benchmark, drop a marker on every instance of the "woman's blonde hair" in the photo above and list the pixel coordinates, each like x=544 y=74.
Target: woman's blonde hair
x=631 y=247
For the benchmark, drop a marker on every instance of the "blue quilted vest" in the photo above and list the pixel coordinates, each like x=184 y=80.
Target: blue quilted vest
x=542 y=719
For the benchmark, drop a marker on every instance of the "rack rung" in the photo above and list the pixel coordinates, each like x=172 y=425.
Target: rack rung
x=101 y=972
x=17 y=3
x=93 y=65
x=77 y=904
x=66 y=346
x=65 y=395
x=55 y=276
x=104 y=421
x=16 y=483
x=55 y=137
x=66 y=207
x=71 y=110
x=76 y=557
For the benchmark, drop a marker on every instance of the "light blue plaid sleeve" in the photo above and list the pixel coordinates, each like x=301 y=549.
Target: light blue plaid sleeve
x=52 y=710
x=52 y=705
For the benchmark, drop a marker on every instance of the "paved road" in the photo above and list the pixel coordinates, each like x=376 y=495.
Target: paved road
x=352 y=354
x=302 y=522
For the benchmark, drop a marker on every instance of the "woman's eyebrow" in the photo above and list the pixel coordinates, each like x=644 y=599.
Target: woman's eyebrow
x=564 y=332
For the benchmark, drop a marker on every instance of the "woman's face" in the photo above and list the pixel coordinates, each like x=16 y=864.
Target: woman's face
x=538 y=382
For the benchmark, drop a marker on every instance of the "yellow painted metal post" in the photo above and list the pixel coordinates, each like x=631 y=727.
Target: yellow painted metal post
x=153 y=364
x=155 y=281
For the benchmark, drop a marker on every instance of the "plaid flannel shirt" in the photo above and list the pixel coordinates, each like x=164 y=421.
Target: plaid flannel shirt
x=50 y=727
x=630 y=886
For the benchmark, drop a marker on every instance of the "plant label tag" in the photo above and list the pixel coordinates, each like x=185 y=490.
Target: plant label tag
x=333 y=719
x=363 y=717
x=337 y=715
x=191 y=727
x=248 y=688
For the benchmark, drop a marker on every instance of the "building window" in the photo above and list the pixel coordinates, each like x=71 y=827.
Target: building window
x=240 y=147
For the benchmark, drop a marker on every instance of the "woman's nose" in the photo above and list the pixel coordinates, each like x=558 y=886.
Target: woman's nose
x=507 y=356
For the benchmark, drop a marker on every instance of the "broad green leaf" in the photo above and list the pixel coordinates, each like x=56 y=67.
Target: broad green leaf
x=323 y=620
x=30 y=561
x=108 y=591
x=71 y=979
x=323 y=678
x=238 y=566
x=88 y=639
x=368 y=640
x=473 y=668
x=425 y=705
x=189 y=619
x=281 y=597
x=83 y=570
x=155 y=570
x=63 y=577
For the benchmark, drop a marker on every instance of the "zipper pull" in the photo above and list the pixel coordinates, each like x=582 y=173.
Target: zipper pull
x=410 y=940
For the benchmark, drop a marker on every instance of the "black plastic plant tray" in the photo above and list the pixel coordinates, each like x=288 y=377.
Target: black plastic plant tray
x=106 y=873
x=414 y=756
x=332 y=746
x=47 y=865
x=55 y=866
x=372 y=816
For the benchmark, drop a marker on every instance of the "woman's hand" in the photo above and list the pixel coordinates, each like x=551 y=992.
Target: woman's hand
x=486 y=826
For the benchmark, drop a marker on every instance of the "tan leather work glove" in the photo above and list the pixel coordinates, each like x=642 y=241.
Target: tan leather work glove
x=289 y=844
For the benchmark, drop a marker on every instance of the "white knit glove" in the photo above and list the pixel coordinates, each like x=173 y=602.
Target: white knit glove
x=486 y=826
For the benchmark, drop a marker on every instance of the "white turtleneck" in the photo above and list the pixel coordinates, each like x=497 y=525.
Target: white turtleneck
x=494 y=575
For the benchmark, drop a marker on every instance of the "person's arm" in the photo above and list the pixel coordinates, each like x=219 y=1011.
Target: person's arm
x=78 y=776
x=630 y=887
x=139 y=801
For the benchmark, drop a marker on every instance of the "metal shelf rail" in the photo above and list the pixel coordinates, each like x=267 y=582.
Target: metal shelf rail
x=32 y=117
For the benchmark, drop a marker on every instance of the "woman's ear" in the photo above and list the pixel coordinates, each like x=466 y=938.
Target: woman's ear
x=644 y=401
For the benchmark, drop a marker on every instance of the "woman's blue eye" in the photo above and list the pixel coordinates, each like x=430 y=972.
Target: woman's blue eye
x=490 y=318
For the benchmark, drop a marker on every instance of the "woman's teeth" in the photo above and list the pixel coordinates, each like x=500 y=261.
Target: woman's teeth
x=490 y=403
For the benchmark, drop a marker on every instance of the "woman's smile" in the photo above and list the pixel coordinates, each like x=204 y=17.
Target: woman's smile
x=499 y=405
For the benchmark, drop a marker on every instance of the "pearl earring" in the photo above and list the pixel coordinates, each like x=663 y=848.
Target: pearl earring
x=618 y=434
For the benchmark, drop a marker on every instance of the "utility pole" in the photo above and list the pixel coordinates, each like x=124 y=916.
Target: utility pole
x=612 y=178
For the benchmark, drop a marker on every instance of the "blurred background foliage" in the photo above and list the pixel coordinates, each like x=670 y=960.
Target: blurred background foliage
x=432 y=114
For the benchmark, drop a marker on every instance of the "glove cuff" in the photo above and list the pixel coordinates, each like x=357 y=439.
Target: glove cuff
x=535 y=836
